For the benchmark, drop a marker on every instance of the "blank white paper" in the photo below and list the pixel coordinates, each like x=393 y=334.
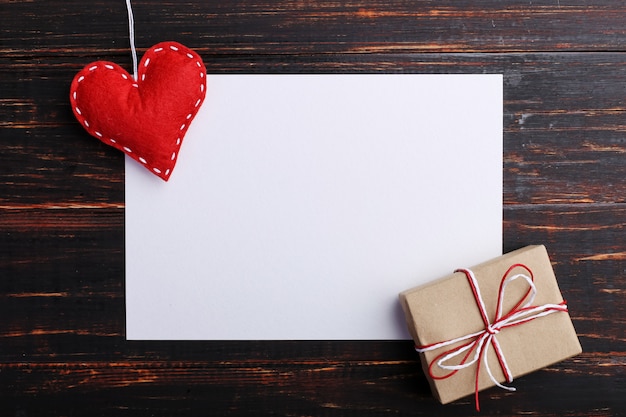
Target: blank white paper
x=301 y=205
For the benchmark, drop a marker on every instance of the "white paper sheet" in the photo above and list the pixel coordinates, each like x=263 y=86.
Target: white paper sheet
x=301 y=206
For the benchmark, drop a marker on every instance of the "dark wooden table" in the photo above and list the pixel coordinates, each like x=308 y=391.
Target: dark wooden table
x=62 y=346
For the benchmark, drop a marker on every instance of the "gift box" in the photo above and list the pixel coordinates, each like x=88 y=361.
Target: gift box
x=483 y=326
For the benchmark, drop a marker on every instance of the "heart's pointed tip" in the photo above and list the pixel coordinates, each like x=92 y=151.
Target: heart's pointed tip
x=165 y=178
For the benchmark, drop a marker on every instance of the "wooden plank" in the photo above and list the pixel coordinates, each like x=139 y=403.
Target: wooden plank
x=249 y=29
x=310 y=388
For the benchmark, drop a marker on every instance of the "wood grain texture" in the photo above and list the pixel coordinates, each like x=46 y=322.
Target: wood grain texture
x=62 y=345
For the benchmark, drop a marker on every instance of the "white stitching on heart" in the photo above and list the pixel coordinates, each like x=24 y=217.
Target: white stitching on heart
x=145 y=65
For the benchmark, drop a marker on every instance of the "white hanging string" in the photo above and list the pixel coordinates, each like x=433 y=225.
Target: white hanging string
x=131 y=29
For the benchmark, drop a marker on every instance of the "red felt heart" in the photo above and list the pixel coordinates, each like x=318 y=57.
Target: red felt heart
x=145 y=118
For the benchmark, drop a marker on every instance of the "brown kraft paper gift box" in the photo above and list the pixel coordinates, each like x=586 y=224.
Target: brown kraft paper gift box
x=446 y=309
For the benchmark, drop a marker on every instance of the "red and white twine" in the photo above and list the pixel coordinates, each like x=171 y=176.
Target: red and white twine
x=479 y=342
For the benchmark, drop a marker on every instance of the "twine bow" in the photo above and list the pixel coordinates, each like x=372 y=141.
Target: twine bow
x=479 y=342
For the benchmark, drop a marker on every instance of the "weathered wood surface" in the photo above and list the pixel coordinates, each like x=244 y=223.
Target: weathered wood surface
x=62 y=345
